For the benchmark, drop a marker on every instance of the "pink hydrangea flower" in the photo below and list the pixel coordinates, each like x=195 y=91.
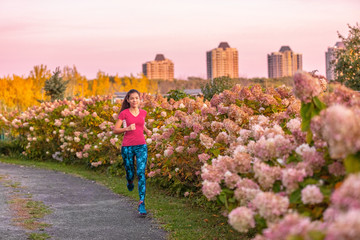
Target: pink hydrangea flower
x=206 y=141
x=337 y=169
x=265 y=174
x=346 y=226
x=245 y=195
x=272 y=147
x=237 y=114
x=203 y=157
x=291 y=225
x=79 y=155
x=197 y=127
x=216 y=126
x=294 y=125
x=211 y=189
x=168 y=152
x=57 y=122
x=192 y=150
x=113 y=141
x=222 y=137
x=311 y=156
x=341 y=130
x=87 y=147
x=242 y=160
x=270 y=205
x=151 y=174
x=242 y=219
x=291 y=177
x=348 y=195
x=231 y=126
x=179 y=149
x=231 y=179
x=76 y=133
x=212 y=173
x=306 y=86
x=311 y=194
x=193 y=135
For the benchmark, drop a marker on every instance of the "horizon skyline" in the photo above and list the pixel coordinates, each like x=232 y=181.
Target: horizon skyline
x=61 y=67
x=117 y=37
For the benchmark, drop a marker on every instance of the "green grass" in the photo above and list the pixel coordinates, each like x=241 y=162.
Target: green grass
x=37 y=209
x=178 y=216
x=38 y=236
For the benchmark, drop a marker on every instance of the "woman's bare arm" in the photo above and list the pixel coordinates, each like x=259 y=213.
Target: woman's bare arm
x=119 y=129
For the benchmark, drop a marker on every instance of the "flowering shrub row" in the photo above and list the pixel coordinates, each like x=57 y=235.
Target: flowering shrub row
x=70 y=131
x=279 y=167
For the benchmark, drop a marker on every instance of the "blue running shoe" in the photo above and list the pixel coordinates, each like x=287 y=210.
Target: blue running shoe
x=141 y=209
x=130 y=186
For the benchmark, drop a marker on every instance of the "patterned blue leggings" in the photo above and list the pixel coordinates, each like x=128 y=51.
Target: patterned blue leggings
x=141 y=153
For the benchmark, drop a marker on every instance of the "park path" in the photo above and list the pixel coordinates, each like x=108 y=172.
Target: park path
x=81 y=209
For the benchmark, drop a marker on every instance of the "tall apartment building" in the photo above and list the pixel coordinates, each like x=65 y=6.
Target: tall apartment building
x=222 y=61
x=283 y=63
x=161 y=68
x=330 y=58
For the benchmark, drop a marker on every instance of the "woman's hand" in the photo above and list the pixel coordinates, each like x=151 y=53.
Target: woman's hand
x=148 y=132
x=131 y=127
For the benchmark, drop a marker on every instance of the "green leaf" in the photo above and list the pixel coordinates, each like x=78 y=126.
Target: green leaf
x=260 y=223
x=316 y=235
x=216 y=152
x=326 y=190
x=294 y=237
x=295 y=196
x=352 y=163
x=319 y=104
x=305 y=124
x=228 y=191
x=305 y=107
x=293 y=158
x=222 y=197
x=308 y=181
x=277 y=186
x=306 y=113
x=309 y=136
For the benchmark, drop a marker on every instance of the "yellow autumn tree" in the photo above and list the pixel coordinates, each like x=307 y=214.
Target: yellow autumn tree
x=141 y=83
x=78 y=85
x=38 y=75
x=16 y=93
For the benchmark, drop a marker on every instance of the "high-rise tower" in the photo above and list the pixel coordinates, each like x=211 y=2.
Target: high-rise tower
x=161 y=68
x=330 y=59
x=283 y=63
x=222 y=61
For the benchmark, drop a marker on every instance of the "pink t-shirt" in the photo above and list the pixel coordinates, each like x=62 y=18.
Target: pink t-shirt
x=133 y=137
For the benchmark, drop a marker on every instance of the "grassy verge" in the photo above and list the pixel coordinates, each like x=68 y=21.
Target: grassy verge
x=176 y=215
x=26 y=212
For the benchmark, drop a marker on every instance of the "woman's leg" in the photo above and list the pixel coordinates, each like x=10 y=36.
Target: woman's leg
x=127 y=154
x=141 y=159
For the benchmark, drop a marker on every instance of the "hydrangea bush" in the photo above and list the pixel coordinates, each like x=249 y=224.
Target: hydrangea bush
x=281 y=163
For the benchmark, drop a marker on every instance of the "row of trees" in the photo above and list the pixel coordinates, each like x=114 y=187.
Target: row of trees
x=19 y=92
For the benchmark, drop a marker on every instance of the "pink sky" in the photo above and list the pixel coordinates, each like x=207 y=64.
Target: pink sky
x=117 y=36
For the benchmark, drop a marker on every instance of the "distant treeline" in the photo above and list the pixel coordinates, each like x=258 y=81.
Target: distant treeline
x=196 y=83
x=21 y=92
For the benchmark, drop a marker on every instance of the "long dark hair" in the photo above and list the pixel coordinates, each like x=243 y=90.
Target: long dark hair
x=125 y=103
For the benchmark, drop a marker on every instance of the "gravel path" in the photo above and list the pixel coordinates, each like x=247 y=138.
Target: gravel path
x=81 y=208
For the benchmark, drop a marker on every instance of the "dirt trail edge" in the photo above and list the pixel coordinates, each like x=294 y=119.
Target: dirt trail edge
x=81 y=209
